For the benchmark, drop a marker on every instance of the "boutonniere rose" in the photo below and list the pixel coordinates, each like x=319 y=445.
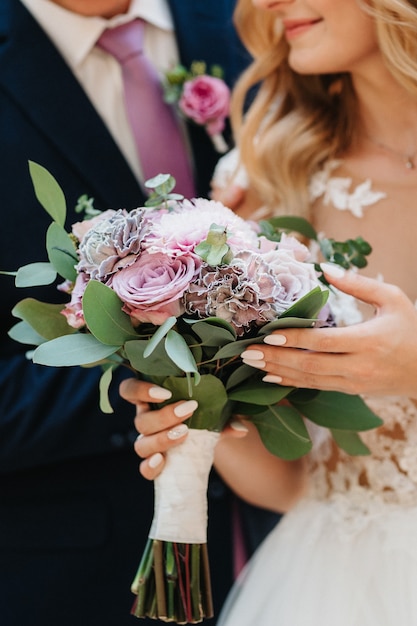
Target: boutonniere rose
x=201 y=97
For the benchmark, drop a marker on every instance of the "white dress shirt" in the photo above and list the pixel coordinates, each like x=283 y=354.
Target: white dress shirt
x=99 y=73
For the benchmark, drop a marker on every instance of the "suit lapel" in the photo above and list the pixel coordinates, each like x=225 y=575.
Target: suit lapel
x=57 y=105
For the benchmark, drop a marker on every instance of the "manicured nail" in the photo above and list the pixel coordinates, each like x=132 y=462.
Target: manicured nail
x=186 y=408
x=239 y=426
x=155 y=460
x=140 y=436
x=253 y=355
x=334 y=271
x=270 y=378
x=177 y=432
x=275 y=340
x=258 y=364
x=159 y=393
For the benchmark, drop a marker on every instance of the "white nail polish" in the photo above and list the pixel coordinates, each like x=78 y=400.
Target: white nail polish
x=257 y=364
x=237 y=425
x=177 y=432
x=275 y=340
x=159 y=393
x=252 y=355
x=155 y=460
x=334 y=271
x=270 y=378
x=186 y=408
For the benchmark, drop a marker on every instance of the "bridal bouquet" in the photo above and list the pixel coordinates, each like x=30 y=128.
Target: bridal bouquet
x=174 y=291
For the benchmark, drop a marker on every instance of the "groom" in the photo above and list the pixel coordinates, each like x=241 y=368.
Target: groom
x=74 y=512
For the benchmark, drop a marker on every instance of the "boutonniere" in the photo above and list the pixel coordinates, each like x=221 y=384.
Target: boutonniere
x=201 y=96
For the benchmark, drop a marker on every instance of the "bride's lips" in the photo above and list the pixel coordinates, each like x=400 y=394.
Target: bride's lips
x=293 y=28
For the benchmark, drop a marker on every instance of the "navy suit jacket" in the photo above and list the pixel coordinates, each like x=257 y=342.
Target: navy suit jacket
x=74 y=512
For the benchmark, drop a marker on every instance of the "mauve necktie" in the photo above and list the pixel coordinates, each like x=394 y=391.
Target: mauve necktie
x=158 y=138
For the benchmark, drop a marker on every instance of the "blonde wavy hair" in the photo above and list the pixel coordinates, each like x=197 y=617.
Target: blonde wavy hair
x=295 y=123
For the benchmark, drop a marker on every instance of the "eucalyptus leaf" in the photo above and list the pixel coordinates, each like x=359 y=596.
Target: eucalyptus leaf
x=350 y=442
x=48 y=192
x=282 y=441
x=61 y=251
x=289 y=322
x=239 y=375
x=104 y=317
x=259 y=393
x=212 y=335
x=45 y=319
x=22 y=332
x=213 y=410
x=295 y=224
x=35 y=274
x=77 y=349
x=157 y=364
x=235 y=348
x=179 y=352
x=104 y=384
x=159 y=334
x=309 y=305
x=341 y=411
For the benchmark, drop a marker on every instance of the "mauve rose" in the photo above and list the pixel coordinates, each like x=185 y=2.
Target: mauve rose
x=152 y=288
x=206 y=100
x=111 y=244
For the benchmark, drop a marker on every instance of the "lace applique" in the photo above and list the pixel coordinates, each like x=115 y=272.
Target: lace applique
x=366 y=483
x=335 y=191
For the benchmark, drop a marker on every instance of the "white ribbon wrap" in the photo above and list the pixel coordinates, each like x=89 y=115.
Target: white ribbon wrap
x=180 y=513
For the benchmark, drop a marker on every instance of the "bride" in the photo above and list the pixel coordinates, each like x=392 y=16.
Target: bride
x=331 y=134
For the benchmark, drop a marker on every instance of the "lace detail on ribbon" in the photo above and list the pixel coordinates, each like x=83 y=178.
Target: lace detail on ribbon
x=335 y=190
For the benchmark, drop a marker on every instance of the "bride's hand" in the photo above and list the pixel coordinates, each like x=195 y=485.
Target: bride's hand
x=159 y=429
x=378 y=356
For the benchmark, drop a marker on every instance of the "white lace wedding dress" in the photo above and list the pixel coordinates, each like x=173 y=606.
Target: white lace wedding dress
x=346 y=555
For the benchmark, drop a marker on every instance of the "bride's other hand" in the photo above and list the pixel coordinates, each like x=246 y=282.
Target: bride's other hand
x=160 y=429
x=378 y=356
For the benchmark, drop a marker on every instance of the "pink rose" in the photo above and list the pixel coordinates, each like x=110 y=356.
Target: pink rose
x=206 y=100
x=152 y=288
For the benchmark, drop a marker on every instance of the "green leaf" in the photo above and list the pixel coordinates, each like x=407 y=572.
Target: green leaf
x=341 y=411
x=293 y=223
x=214 y=249
x=61 y=251
x=104 y=317
x=157 y=364
x=46 y=319
x=350 y=442
x=288 y=322
x=239 y=375
x=35 y=274
x=178 y=350
x=213 y=410
x=77 y=349
x=48 y=192
x=159 y=335
x=104 y=385
x=309 y=305
x=259 y=393
x=213 y=335
x=22 y=332
x=283 y=432
x=236 y=347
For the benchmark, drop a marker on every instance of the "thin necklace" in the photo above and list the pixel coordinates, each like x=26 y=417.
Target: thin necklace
x=408 y=159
